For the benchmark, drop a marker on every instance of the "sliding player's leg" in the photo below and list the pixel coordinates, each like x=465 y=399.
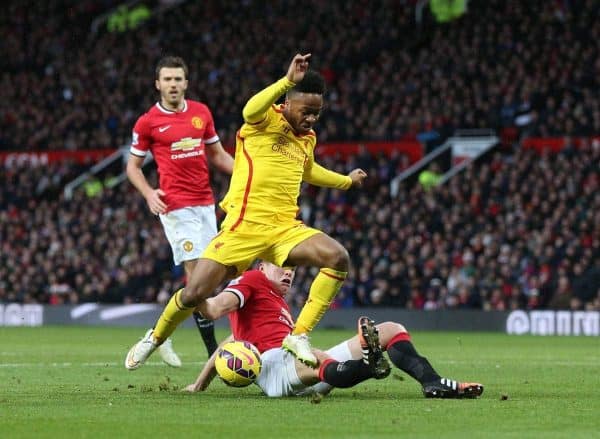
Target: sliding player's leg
x=394 y=338
x=397 y=341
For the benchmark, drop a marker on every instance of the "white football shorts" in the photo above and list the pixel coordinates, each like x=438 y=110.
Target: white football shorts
x=278 y=375
x=189 y=230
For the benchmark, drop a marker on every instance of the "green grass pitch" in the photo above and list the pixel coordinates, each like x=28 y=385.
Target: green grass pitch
x=71 y=382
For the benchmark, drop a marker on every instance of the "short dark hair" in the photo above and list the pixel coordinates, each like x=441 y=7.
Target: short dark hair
x=171 y=62
x=312 y=82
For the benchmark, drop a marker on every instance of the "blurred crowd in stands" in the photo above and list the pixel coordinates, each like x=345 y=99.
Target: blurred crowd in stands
x=532 y=66
x=513 y=231
x=100 y=246
x=516 y=230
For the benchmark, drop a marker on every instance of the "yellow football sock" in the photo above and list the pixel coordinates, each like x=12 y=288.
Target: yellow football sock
x=173 y=314
x=322 y=291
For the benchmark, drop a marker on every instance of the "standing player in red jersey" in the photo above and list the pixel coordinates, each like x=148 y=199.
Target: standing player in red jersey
x=180 y=134
x=258 y=313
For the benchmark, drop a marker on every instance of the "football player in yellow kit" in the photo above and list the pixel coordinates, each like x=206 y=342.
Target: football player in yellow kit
x=274 y=155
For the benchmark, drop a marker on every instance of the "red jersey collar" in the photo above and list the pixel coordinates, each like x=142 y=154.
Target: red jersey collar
x=166 y=111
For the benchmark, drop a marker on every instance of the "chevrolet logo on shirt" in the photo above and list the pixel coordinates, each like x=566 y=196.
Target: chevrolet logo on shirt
x=186 y=144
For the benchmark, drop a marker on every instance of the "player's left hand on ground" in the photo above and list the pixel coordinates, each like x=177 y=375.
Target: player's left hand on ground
x=357 y=176
x=191 y=388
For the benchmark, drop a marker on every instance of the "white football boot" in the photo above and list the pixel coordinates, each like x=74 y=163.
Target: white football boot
x=299 y=347
x=168 y=355
x=140 y=351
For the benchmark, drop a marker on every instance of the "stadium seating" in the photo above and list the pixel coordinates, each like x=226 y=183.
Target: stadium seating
x=388 y=78
x=516 y=230
x=519 y=229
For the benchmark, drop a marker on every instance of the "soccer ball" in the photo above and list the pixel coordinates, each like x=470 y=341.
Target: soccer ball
x=238 y=363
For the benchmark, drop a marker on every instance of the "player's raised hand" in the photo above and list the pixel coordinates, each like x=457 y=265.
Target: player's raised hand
x=155 y=204
x=298 y=68
x=357 y=176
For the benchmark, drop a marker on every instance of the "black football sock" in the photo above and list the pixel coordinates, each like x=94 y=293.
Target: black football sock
x=207 y=331
x=344 y=374
x=404 y=356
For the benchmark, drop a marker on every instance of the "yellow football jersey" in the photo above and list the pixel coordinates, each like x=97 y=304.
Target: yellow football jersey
x=270 y=161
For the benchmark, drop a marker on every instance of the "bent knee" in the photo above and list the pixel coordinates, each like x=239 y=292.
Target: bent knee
x=189 y=297
x=393 y=327
x=388 y=330
x=193 y=294
x=338 y=259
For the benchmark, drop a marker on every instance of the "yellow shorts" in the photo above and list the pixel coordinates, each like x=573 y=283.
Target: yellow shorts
x=251 y=241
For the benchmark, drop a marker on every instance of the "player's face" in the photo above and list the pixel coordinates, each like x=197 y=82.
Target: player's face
x=302 y=111
x=171 y=84
x=281 y=278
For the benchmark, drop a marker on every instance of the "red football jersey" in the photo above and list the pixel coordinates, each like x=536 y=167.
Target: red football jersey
x=264 y=317
x=177 y=141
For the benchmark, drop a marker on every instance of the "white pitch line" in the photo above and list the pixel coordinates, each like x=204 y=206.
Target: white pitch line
x=97 y=364
x=546 y=363
x=591 y=363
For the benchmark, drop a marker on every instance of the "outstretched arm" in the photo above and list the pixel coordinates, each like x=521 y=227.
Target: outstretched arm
x=208 y=372
x=257 y=106
x=213 y=308
x=218 y=306
x=317 y=175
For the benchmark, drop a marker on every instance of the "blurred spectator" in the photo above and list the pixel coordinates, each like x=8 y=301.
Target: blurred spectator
x=430 y=177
